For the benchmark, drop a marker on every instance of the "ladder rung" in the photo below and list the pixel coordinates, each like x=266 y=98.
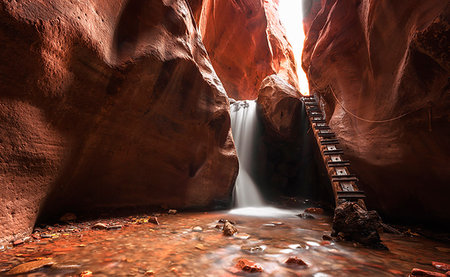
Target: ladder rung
x=329 y=141
x=322 y=127
x=338 y=164
x=344 y=178
x=350 y=194
x=333 y=152
x=326 y=135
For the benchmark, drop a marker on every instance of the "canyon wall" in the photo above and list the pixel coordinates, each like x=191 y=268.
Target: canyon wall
x=245 y=42
x=381 y=70
x=107 y=104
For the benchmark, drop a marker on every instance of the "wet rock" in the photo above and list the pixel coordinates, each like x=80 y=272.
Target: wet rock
x=252 y=249
x=197 y=229
x=426 y=273
x=229 y=229
x=171 y=211
x=305 y=216
x=153 y=220
x=357 y=224
x=314 y=211
x=441 y=266
x=249 y=266
x=30 y=266
x=149 y=273
x=242 y=236
x=327 y=237
x=294 y=260
x=86 y=273
x=225 y=220
x=218 y=226
x=68 y=217
x=18 y=242
x=114 y=227
x=99 y=226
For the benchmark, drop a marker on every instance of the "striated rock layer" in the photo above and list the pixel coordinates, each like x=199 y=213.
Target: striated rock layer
x=246 y=43
x=107 y=104
x=381 y=69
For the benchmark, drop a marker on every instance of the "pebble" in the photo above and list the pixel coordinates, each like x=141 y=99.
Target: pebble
x=294 y=260
x=114 y=227
x=249 y=266
x=30 y=266
x=426 y=273
x=305 y=216
x=99 y=226
x=197 y=229
x=171 y=211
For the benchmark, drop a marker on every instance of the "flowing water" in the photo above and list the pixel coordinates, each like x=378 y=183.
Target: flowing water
x=176 y=248
x=244 y=124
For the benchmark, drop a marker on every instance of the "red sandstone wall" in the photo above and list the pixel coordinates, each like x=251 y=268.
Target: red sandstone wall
x=107 y=103
x=384 y=59
x=245 y=42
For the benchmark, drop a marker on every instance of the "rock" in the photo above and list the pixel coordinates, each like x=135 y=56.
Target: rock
x=86 y=273
x=281 y=107
x=114 y=227
x=225 y=220
x=197 y=229
x=252 y=249
x=357 y=224
x=441 y=266
x=100 y=226
x=229 y=229
x=149 y=273
x=30 y=266
x=351 y=58
x=18 y=242
x=327 y=237
x=153 y=220
x=68 y=217
x=116 y=95
x=172 y=211
x=249 y=266
x=314 y=211
x=244 y=53
x=421 y=272
x=293 y=260
x=305 y=216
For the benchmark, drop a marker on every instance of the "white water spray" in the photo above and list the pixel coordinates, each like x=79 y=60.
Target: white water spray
x=244 y=128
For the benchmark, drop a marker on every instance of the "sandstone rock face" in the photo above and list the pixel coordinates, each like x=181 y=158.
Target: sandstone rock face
x=280 y=106
x=246 y=43
x=381 y=69
x=107 y=104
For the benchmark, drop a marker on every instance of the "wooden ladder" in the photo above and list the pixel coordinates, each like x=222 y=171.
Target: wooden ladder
x=344 y=184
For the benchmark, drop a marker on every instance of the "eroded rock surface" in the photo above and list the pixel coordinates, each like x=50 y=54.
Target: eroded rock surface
x=381 y=69
x=246 y=42
x=107 y=104
x=280 y=107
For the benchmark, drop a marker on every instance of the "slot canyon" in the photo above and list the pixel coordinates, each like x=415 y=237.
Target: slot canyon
x=206 y=138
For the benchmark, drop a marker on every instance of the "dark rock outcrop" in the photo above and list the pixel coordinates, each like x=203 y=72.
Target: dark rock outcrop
x=353 y=223
x=107 y=104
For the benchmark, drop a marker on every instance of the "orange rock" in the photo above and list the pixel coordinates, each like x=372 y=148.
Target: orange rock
x=441 y=266
x=314 y=210
x=249 y=266
x=426 y=273
x=294 y=260
x=30 y=266
x=86 y=273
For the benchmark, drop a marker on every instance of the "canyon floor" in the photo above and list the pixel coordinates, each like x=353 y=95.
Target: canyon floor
x=193 y=244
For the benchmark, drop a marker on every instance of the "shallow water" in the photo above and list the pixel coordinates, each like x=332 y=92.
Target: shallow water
x=173 y=248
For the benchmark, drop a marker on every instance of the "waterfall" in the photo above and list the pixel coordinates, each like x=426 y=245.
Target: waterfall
x=244 y=128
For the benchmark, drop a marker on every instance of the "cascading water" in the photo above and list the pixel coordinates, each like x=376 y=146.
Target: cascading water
x=244 y=128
